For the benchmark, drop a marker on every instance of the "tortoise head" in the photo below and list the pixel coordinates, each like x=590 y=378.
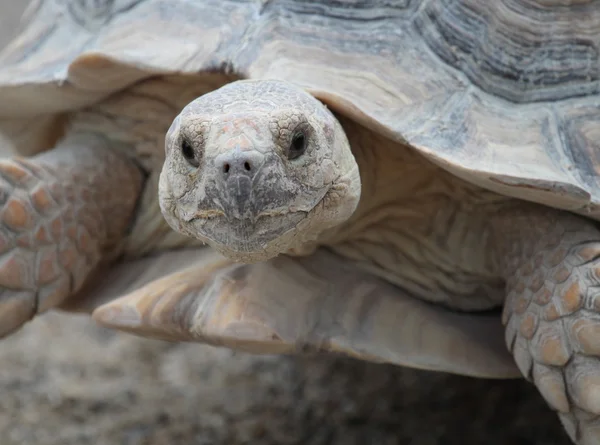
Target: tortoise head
x=257 y=168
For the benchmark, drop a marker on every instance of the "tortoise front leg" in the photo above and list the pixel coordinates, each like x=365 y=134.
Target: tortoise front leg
x=63 y=211
x=552 y=313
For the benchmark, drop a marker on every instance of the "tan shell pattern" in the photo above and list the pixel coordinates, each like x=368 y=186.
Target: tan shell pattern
x=504 y=94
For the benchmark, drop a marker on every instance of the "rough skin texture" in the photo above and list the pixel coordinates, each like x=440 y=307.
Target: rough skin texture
x=63 y=212
x=234 y=178
x=552 y=315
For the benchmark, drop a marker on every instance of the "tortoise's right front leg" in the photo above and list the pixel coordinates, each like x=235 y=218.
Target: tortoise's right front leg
x=61 y=213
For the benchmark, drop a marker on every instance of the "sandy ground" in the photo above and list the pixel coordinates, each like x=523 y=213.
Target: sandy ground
x=65 y=381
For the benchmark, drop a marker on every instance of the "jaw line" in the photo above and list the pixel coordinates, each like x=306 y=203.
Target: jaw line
x=216 y=213
x=213 y=213
x=206 y=215
x=283 y=214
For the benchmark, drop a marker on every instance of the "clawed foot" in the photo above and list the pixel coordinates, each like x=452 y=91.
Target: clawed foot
x=552 y=319
x=59 y=214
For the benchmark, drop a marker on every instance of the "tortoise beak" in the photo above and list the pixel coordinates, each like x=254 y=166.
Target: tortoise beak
x=235 y=174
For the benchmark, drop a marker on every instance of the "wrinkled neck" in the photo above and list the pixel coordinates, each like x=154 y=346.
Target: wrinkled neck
x=380 y=179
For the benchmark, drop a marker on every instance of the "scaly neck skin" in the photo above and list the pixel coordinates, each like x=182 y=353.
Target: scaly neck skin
x=419 y=227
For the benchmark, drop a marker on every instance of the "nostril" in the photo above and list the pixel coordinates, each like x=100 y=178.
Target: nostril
x=235 y=163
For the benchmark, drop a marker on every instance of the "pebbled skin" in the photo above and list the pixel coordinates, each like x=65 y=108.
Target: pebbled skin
x=278 y=204
x=552 y=315
x=61 y=214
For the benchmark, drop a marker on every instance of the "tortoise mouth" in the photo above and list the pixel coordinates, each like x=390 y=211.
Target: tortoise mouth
x=252 y=236
x=213 y=213
x=236 y=234
x=234 y=237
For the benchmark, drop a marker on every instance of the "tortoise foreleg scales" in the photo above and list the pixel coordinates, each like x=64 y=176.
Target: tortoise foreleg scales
x=552 y=313
x=62 y=213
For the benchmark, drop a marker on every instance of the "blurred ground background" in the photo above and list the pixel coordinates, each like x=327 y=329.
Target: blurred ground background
x=65 y=381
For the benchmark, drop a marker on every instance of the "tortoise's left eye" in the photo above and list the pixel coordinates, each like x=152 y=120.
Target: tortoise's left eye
x=297 y=146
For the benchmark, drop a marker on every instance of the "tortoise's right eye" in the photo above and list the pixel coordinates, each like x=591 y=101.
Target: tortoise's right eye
x=188 y=153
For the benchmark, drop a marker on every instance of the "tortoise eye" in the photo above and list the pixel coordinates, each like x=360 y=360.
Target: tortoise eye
x=188 y=153
x=297 y=146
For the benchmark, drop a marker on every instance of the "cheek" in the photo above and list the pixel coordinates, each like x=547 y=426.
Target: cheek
x=329 y=171
x=317 y=171
x=179 y=177
x=322 y=173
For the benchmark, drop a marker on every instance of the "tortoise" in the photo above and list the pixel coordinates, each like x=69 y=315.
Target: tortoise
x=405 y=182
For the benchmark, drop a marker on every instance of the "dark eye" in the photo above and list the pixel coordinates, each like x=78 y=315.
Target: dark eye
x=297 y=146
x=188 y=153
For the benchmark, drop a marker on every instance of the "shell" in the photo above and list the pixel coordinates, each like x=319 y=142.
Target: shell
x=504 y=96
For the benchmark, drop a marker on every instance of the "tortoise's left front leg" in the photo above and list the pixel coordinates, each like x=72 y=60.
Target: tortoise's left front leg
x=552 y=314
x=62 y=213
